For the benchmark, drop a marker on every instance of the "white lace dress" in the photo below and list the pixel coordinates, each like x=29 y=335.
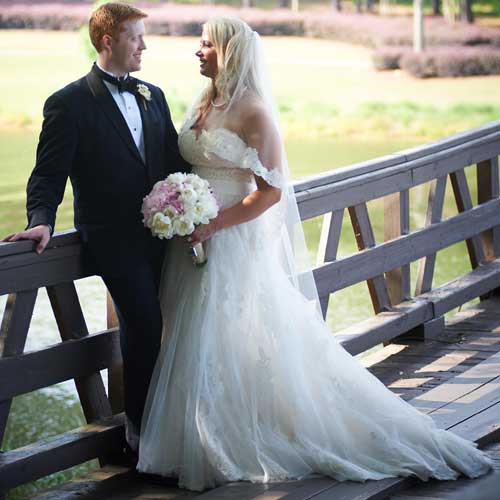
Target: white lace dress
x=251 y=385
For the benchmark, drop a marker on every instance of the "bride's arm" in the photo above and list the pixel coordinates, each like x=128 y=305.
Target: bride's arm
x=261 y=134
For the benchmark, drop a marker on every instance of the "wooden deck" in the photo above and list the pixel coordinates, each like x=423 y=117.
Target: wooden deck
x=455 y=378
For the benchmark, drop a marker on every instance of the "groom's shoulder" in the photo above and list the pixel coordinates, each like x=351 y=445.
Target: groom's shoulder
x=73 y=93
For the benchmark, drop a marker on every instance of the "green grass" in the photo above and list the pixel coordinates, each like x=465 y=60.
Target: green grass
x=324 y=88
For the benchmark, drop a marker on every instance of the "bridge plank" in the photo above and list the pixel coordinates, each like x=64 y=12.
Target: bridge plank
x=397 y=223
x=379 y=259
x=30 y=270
x=425 y=272
x=485 y=134
x=464 y=203
x=13 y=334
x=57 y=453
x=60 y=362
x=385 y=326
x=363 y=233
x=488 y=187
x=71 y=324
x=447 y=400
x=298 y=490
x=361 y=188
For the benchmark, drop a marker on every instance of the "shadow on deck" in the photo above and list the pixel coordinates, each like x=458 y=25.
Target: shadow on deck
x=455 y=378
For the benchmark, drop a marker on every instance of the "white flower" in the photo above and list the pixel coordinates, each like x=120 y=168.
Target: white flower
x=144 y=91
x=188 y=196
x=162 y=226
x=176 y=178
x=183 y=225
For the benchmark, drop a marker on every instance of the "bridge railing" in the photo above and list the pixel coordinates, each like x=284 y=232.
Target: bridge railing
x=384 y=266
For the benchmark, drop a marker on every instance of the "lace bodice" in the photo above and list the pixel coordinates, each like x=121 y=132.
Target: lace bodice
x=226 y=154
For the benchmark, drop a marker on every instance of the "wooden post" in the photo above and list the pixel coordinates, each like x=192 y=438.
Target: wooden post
x=487 y=189
x=364 y=237
x=115 y=374
x=464 y=202
x=13 y=333
x=328 y=246
x=397 y=223
x=71 y=324
x=434 y=214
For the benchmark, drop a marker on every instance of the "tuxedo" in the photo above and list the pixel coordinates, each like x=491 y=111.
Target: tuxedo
x=85 y=137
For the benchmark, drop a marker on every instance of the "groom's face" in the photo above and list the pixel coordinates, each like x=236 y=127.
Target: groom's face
x=126 y=50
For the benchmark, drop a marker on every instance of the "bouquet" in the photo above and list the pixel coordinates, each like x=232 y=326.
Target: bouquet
x=176 y=205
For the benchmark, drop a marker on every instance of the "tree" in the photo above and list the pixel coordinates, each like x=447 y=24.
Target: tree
x=466 y=11
x=418 y=26
x=436 y=7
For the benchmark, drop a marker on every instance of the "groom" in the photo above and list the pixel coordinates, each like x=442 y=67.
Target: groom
x=113 y=136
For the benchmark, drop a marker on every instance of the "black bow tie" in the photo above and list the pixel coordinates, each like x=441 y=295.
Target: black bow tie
x=126 y=83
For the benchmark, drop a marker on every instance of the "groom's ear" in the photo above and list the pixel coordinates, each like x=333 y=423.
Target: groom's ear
x=106 y=43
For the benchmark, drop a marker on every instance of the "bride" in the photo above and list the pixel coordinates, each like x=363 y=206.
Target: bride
x=250 y=384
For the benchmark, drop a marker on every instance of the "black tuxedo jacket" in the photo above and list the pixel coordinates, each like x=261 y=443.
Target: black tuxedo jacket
x=85 y=137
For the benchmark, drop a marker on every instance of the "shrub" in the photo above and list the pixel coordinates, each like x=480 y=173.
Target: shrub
x=452 y=62
x=387 y=58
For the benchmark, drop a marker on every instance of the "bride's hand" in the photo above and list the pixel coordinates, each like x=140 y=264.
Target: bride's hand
x=203 y=232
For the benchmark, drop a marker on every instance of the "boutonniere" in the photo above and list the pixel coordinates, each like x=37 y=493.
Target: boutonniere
x=145 y=94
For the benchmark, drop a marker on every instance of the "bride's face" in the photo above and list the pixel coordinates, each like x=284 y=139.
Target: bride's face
x=207 y=56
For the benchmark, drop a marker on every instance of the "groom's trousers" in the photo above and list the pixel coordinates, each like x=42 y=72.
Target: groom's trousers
x=129 y=263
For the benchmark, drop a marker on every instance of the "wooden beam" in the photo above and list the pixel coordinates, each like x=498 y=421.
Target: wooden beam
x=385 y=326
x=358 y=189
x=71 y=324
x=397 y=223
x=64 y=361
x=464 y=203
x=364 y=237
x=29 y=270
x=115 y=372
x=464 y=288
x=330 y=236
x=435 y=204
x=488 y=189
x=478 y=136
x=395 y=253
x=13 y=333
x=57 y=453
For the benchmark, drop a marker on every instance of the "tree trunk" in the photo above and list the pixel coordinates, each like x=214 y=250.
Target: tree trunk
x=418 y=26
x=466 y=11
x=436 y=7
x=369 y=5
x=247 y=3
x=337 y=5
x=283 y=3
x=358 y=6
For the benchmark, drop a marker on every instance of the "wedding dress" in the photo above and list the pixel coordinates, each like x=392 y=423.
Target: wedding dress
x=250 y=384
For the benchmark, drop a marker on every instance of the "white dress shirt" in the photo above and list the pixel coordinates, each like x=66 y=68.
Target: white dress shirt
x=129 y=108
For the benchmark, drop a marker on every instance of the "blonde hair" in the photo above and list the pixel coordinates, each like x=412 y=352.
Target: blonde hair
x=234 y=44
x=108 y=20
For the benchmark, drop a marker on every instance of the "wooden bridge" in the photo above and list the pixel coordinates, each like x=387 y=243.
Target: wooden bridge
x=448 y=369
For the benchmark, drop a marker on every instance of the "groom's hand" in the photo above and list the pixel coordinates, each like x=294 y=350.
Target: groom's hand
x=38 y=233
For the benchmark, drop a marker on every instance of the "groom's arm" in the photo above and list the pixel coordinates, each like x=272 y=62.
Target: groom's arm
x=174 y=160
x=54 y=156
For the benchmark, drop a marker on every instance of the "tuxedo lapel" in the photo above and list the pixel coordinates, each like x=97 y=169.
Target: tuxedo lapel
x=147 y=110
x=111 y=110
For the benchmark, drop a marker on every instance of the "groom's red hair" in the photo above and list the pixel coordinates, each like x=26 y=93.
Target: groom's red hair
x=108 y=19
